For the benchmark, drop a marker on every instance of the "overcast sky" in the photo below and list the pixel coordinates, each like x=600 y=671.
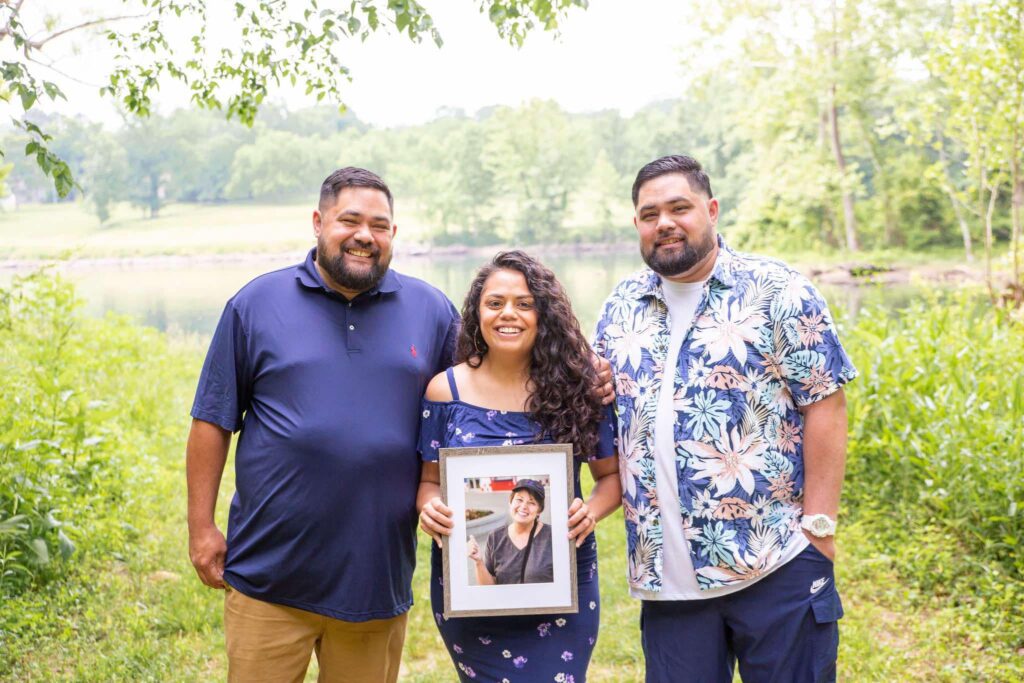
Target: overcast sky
x=620 y=54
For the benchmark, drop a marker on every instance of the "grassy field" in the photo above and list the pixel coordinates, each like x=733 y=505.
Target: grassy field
x=147 y=617
x=42 y=231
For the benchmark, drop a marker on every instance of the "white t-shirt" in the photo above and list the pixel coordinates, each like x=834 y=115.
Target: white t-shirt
x=679 y=581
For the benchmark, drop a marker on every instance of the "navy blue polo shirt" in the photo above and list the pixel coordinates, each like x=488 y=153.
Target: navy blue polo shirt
x=326 y=393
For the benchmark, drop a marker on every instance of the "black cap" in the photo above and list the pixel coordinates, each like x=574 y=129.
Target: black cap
x=534 y=487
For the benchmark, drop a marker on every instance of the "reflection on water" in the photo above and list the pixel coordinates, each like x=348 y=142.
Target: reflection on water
x=191 y=298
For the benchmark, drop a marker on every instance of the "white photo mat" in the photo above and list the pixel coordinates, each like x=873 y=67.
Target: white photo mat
x=462 y=599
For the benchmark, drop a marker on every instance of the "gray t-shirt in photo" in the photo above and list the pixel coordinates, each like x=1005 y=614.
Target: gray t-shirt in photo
x=505 y=561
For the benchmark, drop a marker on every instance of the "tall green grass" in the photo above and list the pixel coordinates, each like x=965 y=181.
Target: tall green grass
x=935 y=477
x=90 y=407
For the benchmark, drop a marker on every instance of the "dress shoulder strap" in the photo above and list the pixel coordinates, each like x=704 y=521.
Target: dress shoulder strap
x=451 y=383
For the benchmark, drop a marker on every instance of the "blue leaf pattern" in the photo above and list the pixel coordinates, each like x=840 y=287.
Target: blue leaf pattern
x=762 y=345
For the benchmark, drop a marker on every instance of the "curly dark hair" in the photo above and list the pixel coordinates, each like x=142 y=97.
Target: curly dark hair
x=562 y=377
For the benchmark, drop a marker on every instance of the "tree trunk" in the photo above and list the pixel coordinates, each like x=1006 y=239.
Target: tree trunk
x=993 y=195
x=849 y=218
x=154 y=194
x=1018 y=199
x=965 y=229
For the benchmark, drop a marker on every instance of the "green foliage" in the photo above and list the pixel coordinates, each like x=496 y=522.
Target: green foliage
x=105 y=173
x=276 y=165
x=514 y=19
x=18 y=80
x=936 y=466
x=5 y=170
x=536 y=157
x=275 y=41
x=83 y=408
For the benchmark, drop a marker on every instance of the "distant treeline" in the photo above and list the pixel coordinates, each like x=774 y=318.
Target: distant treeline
x=863 y=125
x=527 y=174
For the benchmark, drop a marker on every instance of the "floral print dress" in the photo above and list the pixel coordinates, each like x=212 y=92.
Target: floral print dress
x=513 y=649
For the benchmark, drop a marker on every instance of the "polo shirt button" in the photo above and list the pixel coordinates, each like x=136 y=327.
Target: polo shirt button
x=350 y=304
x=351 y=327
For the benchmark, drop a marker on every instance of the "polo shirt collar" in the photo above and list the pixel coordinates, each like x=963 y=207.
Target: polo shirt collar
x=723 y=272
x=308 y=276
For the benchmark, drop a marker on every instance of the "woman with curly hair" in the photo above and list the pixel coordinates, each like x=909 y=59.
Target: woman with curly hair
x=524 y=376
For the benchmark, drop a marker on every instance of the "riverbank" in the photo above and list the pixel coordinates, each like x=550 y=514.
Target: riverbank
x=68 y=237
x=842 y=272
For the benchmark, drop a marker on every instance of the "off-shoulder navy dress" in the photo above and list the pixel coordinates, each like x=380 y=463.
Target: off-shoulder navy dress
x=513 y=649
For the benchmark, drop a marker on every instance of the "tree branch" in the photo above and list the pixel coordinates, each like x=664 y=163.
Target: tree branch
x=37 y=44
x=63 y=74
x=15 y=8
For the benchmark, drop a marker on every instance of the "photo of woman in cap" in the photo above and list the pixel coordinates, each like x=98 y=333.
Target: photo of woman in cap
x=524 y=376
x=520 y=552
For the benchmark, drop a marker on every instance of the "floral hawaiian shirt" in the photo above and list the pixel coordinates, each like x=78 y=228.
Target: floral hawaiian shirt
x=762 y=344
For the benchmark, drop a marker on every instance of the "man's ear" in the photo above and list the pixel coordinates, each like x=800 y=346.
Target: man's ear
x=713 y=211
x=318 y=225
x=394 y=230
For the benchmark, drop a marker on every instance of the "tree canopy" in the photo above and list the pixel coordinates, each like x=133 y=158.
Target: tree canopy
x=231 y=68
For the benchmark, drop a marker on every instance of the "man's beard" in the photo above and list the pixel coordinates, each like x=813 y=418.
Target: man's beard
x=683 y=259
x=347 y=278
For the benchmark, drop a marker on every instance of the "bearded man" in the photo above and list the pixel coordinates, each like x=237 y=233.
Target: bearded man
x=321 y=367
x=732 y=435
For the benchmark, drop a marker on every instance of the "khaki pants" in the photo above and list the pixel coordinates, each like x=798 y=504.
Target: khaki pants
x=272 y=643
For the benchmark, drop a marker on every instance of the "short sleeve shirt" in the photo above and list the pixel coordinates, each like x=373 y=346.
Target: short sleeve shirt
x=505 y=561
x=325 y=393
x=763 y=344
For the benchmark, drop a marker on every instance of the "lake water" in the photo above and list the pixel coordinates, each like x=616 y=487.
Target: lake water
x=181 y=296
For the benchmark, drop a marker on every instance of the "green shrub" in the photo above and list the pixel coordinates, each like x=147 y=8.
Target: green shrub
x=82 y=411
x=936 y=464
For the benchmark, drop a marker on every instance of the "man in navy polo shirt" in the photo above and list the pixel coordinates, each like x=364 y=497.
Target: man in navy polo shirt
x=320 y=367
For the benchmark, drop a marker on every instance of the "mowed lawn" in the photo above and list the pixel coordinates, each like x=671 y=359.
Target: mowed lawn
x=70 y=230
x=147 y=617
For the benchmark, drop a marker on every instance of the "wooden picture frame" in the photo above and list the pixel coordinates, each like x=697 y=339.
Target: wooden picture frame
x=485 y=477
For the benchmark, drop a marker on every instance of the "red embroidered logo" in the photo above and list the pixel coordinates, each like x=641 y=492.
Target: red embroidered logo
x=412 y=350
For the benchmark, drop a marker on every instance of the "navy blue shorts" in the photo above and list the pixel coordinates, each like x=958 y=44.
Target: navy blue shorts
x=782 y=629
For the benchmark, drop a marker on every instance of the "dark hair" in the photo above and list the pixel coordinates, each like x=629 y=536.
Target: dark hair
x=350 y=176
x=675 y=163
x=562 y=378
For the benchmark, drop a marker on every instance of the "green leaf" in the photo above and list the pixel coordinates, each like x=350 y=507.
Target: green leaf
x=28 y=97
x=66 y=545
x=13 y=525
x=39 y=550
x=53 y=90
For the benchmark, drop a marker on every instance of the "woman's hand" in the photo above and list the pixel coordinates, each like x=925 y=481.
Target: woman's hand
x=581 y=521
x=436 y=519
x=473 y=550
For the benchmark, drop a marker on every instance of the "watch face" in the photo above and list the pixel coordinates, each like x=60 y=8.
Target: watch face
x=820 y=525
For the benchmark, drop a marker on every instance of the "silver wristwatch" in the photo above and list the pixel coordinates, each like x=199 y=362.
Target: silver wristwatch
x=819 y=525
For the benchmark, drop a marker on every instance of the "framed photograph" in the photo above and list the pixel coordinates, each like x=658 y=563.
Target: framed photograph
x=509 y=552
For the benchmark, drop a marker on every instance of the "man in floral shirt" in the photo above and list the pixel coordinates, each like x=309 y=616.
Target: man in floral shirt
x=732 y=467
